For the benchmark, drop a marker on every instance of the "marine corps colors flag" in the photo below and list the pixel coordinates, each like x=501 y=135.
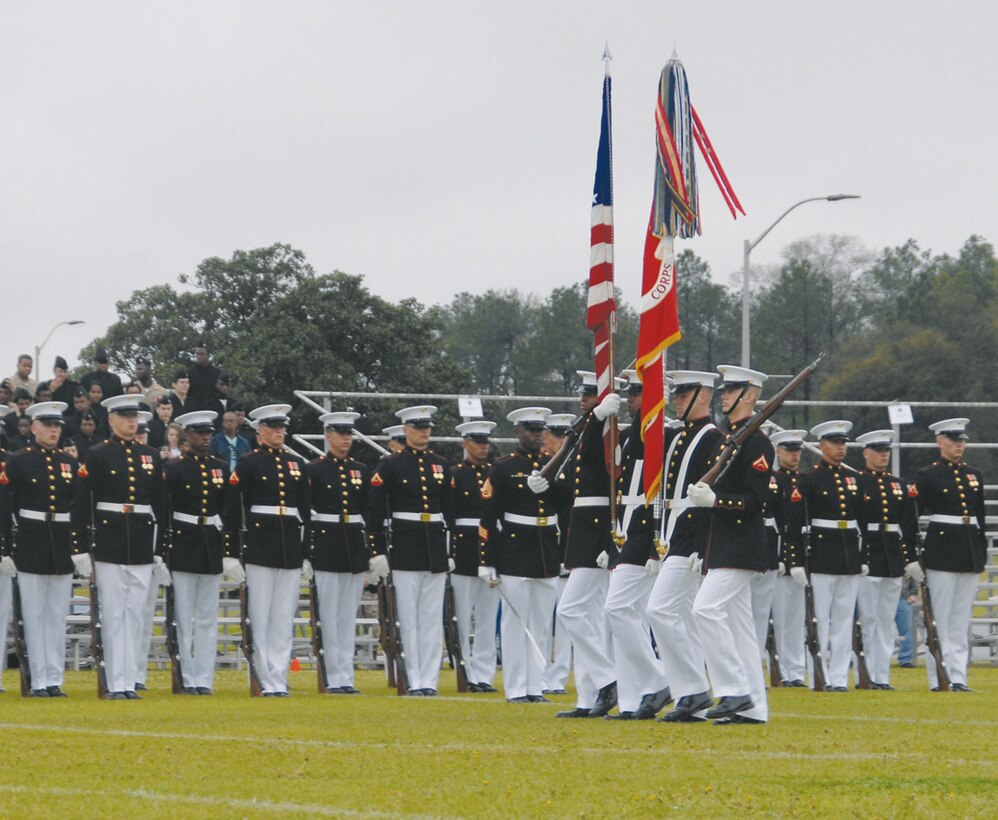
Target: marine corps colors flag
x=601 y=313
x=675 y=211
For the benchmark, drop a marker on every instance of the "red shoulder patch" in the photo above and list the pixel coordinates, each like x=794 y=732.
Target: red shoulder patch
x=3 y=477
x=82 y=472
x=234 y=478
x=796 y=496
x=913 y=491
x=377 y=480
x=761 y=464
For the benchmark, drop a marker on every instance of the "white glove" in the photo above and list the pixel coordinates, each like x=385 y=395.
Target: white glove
x=610 y=406
x=7 y=566
x=306 y=570
x=378 y=566
x=537 y=483
x=603 y=560
x=701 y=495
x=652 y=566
x=864 y=569
x=451 y=566
x=799 y=575
x=488 y=574
x=232 y=568
x=782 y=568
x=563 y=571
x=915 y=572
x=82 y=564
x=160 y=572
x=694 y=563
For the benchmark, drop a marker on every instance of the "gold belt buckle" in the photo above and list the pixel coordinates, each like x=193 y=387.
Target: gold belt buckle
x=965 y=519
x=425 y=517
x=282 y=510
x=885 y=527
x=843 y=525
x=542 y=521
x=127 y=508
x=346 y=519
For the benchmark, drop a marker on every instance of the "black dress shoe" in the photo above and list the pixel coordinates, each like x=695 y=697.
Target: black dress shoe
x=188 y=690
x=55 y=692
x=350 y=690
x=116 y=696
x=474 y=687
x=282 y=694
x=141 y=687
x=960 y=687
x=736 y=720
x=38 y=693
x=429 y=693
x=606 y=699
x=687 y=707
x=907 y=665
x=203 y=690
x=521 y=699
x=652 y=703
x=416 y=693
x=573 y=713
x=554 y=692
x=335 y=690
x=130 y=695
x=836 y=688
x=796 y=684
x=486 y=687
x=934 y=689
x=620 y=716
x=883 y=686
x=269 y=694
x=537 y=699
x=729 y=705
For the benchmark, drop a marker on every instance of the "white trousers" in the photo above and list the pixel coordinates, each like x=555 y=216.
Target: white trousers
x=834 y=609
x=723 y=612
x=195 y=603
x=878 y=602
x=145 y=642
x=581 y=611
x=420 y=598
x=560 y=663
x=638 y=671
x=670 y=612
x=339 y=595
x=6 y=599
x=476 y=605
x=763 y=588
x=123 y=590
x=788 y=618
x=44 y=606
x=952 y=602
x=273 y=602
x=523 y=663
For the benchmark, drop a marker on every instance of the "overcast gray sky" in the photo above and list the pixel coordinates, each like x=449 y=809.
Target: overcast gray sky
x=443 y=146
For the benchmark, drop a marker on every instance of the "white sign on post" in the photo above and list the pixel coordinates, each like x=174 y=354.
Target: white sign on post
x=469 y=407
x=900 y=414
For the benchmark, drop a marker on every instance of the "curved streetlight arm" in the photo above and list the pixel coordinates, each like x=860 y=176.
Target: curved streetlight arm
x=750 y=245
x=38 y=348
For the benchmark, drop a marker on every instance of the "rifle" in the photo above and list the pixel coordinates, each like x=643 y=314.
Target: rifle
x=932 y=639
x=20 y=645
x=775 y=674
x=318 y=649
x=453 y=638
x=246 y=628
x=811 y=623
x=395 y=632
x=731 y=447
x=386 y=623
x=568 y=445
x=96 y=633
x=862 y=672
x=172 y=641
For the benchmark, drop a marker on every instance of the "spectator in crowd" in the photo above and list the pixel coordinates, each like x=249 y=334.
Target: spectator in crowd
x=223 y=401
x=22 y=438
x=109 y=382
x=157 y=427
x=134 y=389
x=22 y=376
x=63 y=387
x=151 y=389
x=70 y=449
x=6 y=394
x=174 y=435
x=905 y=624
x=202 y=376
x=43 y=392
x=181 y=398
x=22 y=401
x=228 y=445
x=87 y=436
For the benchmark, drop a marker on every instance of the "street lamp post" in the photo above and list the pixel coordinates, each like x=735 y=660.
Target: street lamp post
x=38 y=348
x=747 y=249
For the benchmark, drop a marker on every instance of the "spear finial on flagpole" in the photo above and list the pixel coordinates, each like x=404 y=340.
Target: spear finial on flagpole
x=675 y=54
x=607 y=56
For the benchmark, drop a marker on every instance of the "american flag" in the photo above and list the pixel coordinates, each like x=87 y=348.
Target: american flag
x=601 y=313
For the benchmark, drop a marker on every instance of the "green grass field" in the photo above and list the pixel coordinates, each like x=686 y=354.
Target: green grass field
x=909 y=753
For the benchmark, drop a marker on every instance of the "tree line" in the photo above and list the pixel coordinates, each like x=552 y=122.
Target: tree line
x=903 y=323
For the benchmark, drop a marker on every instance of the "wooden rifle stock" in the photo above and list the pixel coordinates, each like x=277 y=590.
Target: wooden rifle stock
x=315 y=622
x=551 y=469
x=20 y=644
x=775 y=673
x=862 y=670
x=932 y=640
x=453 y=637
x=386 y=624
x=811 y=639
x=731 y=447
